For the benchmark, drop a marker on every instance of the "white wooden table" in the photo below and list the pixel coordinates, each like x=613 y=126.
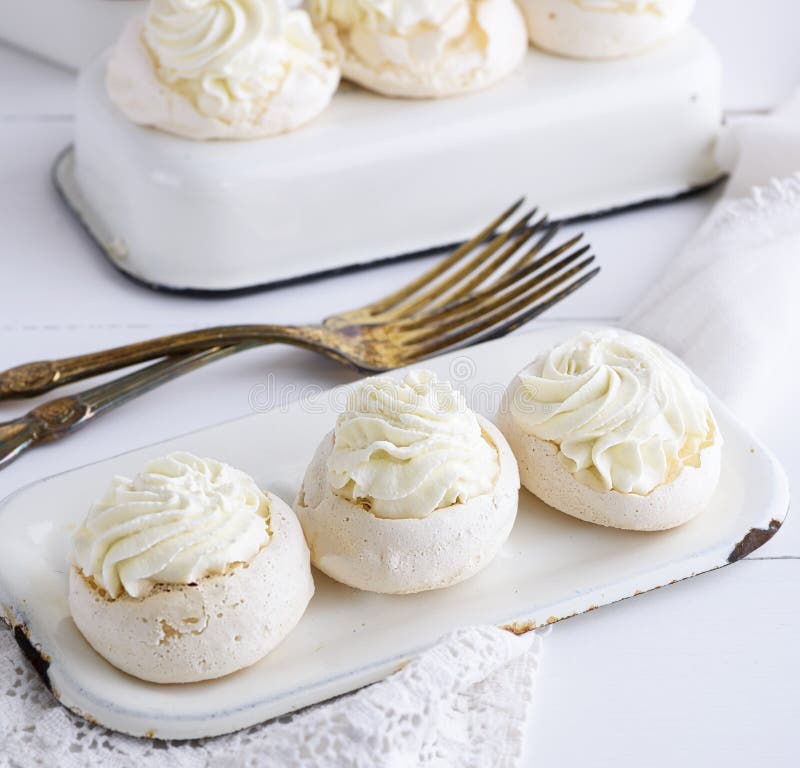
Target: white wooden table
x=706 y=672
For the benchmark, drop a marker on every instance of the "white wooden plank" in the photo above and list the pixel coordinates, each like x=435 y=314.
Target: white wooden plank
x=701 y=673
x=32 y=88
x=758 y=46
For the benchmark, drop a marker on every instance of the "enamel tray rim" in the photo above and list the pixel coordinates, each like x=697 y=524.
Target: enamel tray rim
x=103 y=238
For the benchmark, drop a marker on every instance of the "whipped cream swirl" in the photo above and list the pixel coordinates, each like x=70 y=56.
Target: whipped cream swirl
x=624 y=415
x=404 y=449
x=180 y=519
x=191 y=38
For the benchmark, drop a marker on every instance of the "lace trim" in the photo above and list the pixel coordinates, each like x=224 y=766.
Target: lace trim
x=463 y=702
x=769 y=211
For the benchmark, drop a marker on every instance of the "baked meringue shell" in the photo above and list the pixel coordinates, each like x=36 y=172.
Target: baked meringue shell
x=134 y=87
x=406 y=555
x=501 y=22
x=188 y=633
x=565 y=28
x=667 y=506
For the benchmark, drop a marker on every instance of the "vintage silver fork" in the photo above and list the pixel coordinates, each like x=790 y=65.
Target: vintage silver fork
x=483 y=290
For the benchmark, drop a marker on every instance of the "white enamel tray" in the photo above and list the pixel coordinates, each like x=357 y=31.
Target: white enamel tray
x=552 y=567
x=375 y=178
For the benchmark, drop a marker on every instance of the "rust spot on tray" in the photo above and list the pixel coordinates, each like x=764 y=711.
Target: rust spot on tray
x=755 y=538
x=519 y=627
x=39 y=661
x=85 y=715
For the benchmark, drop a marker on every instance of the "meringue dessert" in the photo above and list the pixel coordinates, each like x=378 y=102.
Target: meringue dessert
x=188 y=571
x=221 y=69
x=603 y=29
x=411 y=491
x=426 y=48
x=609 y=429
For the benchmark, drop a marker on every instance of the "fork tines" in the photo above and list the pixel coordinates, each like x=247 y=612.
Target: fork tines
x=489 y=286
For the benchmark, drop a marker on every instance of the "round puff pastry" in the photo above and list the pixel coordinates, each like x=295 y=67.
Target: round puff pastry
x=603 y=29
x=609 y=429
x=426 y=49
x=448 y=492
x=188 y=572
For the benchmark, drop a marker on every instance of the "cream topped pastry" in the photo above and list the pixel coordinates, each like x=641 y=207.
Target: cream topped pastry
x=187 y=571
x=607 y=427
x=411 y=491
x=221 y=69
x=423 y=48
x=602 y=29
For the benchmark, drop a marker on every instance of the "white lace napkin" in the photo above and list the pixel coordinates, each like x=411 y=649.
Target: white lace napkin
x=463 y=703
x=729 y=304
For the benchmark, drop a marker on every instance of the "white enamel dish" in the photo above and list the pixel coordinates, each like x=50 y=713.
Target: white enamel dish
x=578 y=137
x=552 y=566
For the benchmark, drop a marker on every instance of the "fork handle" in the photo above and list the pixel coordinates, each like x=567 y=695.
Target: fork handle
x=57 y=418
x=43 y=376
